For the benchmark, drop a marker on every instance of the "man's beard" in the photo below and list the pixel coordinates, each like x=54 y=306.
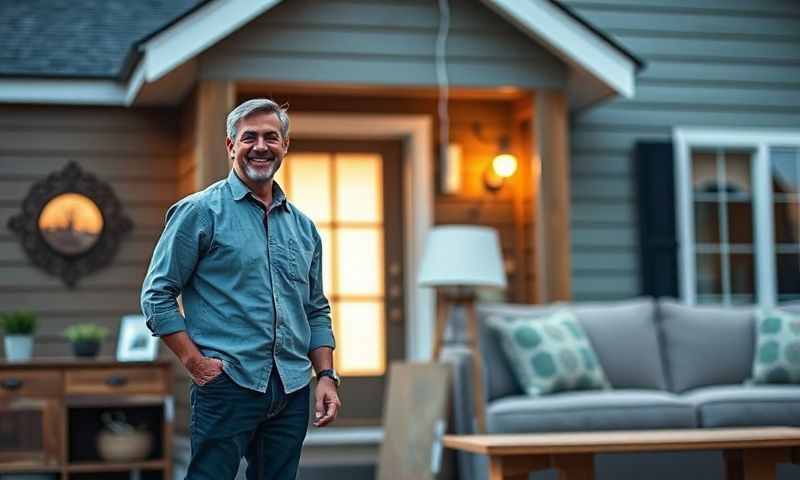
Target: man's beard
x=263 y=174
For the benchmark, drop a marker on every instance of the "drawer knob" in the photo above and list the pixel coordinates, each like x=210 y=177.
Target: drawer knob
x=11 y=383
x=116 y=381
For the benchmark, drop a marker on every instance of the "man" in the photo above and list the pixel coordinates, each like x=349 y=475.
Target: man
x=248 y=265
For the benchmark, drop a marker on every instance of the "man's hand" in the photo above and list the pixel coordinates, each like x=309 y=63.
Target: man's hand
x=327 y=404
x=203 y=369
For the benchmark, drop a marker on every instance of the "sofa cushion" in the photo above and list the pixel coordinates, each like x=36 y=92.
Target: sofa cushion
x=623 y=334
x=777 y=357
x=625 y=338
x=590 y=410
x=706 y=345
x=746 y=405
x=549 y=354
x=497 y=373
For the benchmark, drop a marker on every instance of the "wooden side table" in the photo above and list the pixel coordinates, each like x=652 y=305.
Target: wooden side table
x=750 y=453
x=50 y=416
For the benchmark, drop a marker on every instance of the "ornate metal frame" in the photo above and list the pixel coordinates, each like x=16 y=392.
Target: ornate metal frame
x=72 y=179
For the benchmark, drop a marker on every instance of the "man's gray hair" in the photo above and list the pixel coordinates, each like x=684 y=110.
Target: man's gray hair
x=257 y=105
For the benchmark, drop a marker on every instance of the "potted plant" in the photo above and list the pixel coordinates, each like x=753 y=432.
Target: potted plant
x=86 y=338
x=18 y=327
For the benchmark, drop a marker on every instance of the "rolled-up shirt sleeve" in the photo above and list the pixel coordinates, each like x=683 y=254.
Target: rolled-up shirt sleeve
x=186 y=235
x=317 y=307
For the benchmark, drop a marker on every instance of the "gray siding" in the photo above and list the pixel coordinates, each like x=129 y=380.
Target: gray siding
x=718 y=63
x=131 y=150
x=387 y=42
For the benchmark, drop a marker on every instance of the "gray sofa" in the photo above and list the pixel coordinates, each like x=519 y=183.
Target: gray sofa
x=671 y=366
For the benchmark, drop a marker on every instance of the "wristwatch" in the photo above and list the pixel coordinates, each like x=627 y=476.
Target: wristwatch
x=330 y=373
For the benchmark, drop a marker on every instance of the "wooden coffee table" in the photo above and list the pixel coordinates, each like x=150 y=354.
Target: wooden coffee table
x=750 y=453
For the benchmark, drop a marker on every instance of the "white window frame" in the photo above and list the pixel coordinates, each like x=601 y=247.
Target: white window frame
x=760 y=140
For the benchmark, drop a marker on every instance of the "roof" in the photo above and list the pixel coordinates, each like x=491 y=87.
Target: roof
x=79 y=38
x=105 y=51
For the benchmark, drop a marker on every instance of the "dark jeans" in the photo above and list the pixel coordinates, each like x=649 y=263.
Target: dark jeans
x=230 y=422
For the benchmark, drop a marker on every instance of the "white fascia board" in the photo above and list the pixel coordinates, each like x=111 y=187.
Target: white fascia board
x=199 y=31
x=571 y=39
x=62 y=91
x=135 y=83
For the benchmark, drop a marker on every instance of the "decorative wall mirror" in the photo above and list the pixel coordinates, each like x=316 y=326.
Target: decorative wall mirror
x=71 y=224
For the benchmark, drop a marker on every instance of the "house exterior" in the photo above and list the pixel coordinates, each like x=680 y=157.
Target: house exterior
x=583 y=92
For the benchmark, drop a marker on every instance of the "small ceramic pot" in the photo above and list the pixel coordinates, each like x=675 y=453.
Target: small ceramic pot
x=124 y=446
x=85 y=348
x=18 y=347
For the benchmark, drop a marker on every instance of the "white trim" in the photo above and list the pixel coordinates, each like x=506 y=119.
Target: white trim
x=135 y=84
x=338 y=436
x=416 y=133
x=197 y=32
x=760 y=140
x=61 y=91
x=571 y=39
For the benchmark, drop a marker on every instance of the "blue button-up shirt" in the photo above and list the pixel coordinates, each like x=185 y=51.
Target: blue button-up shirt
x=250 y=280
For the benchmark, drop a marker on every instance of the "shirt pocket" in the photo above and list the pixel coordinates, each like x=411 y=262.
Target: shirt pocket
x=285 y=260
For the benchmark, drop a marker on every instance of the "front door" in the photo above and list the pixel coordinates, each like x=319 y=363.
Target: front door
x=352 y=192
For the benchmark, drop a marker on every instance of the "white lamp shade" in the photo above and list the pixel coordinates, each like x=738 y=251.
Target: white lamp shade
x=462 y=255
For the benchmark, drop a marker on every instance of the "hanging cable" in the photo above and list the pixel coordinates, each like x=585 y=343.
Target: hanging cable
x=441 y=77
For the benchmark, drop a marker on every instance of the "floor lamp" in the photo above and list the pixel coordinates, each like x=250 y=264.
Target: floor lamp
x=457 y=260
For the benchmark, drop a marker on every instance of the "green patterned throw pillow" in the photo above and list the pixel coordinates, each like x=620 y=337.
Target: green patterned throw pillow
x=777 y=358
x=549 y=354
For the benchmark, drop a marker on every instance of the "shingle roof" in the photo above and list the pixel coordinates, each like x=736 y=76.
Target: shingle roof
x=78 y=38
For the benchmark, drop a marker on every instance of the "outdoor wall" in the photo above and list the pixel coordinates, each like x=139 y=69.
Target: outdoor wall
x=724 y=63
x=383 y=42
x=132 y=150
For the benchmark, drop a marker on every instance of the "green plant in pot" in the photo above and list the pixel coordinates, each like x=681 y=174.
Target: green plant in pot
x=19 y=327
x=86 y=338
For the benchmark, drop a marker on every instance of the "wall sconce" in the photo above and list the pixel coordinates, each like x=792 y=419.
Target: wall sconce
x=503 y=166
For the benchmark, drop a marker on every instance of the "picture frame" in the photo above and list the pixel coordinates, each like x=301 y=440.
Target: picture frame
x=135 y=342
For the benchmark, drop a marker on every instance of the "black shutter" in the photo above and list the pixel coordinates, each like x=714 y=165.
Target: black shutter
x=655 y=178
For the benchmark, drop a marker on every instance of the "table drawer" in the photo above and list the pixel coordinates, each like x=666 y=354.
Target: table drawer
x=30 y=384
x=100 y=381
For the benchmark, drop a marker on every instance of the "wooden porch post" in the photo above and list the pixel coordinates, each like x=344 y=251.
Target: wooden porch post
x=551 y=139
x=214 y=100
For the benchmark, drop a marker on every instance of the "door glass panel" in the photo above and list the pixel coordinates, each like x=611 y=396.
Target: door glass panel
x=359 y=199
x=327 y=261
x=357 y=326
x=362 y=273
x=343 y=194
x=310 y=184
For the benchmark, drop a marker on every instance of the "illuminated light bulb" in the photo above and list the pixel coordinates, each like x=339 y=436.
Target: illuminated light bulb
x=504 y=165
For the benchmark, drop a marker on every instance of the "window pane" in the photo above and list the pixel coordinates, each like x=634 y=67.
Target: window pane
x=704 y=171
x=786 y=218
x=310 y=184
x=737 y=172
x=360 y=261
x=709 y=274
x=742 y=274
x=706 y=222
x=732 y=174
x=359 y=192
x=784 y=167
x=788 y=273
x=740 y=222
x=360 y=339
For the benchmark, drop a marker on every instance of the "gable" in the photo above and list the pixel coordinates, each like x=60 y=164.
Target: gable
x=381 y=43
